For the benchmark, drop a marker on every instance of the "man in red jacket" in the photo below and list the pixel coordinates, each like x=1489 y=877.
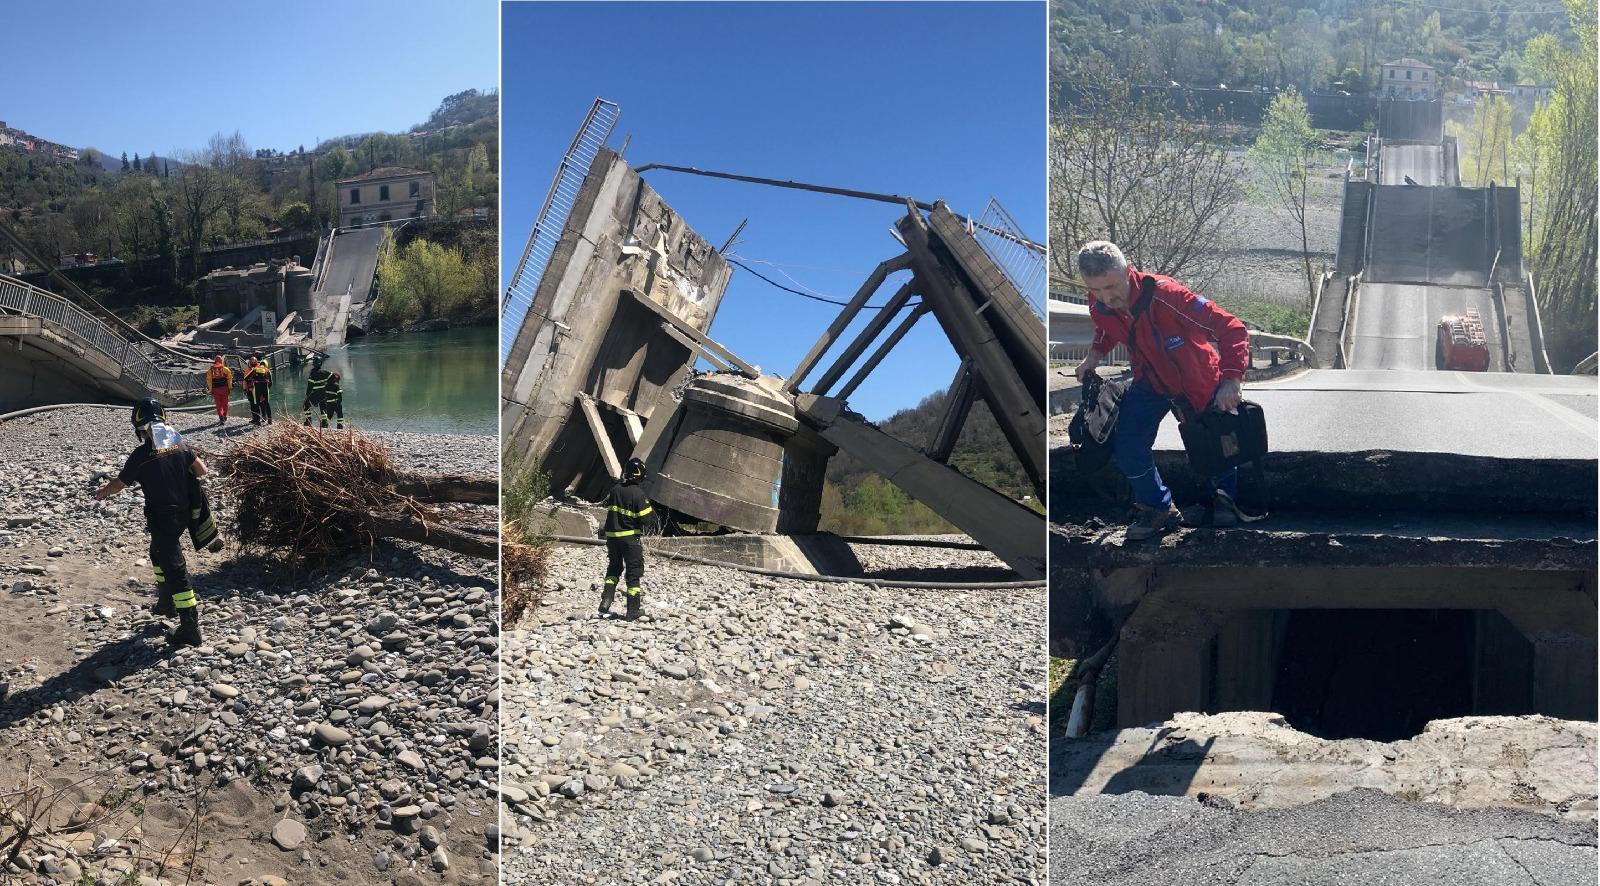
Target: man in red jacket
x=1186 y=352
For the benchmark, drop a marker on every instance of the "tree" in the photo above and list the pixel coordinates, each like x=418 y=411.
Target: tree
x=1125 y=167
x=1485 y=143
x=137 y=167
x=124 y=161
x=166 y=242
x=295 y=216
x=424 y=281
x=1562 y=137
x=203 y=193
x=1282 y=156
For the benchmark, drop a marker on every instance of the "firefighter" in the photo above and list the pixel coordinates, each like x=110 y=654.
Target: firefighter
x=1188 y=356
x=623 y=530
x=258 y=388
x=219 y=379
x=316 y=381
x=333 y=402
x=164 y=466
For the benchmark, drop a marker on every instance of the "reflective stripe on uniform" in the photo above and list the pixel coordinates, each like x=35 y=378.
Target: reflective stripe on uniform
x=633 y=592
x=611 y=579
x=184 y=599
x=160 y=574
x=622 y=533
x=206 y=534
x=635 y=514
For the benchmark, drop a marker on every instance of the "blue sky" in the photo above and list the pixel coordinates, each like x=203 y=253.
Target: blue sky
x=139 y=78
x=938 y=101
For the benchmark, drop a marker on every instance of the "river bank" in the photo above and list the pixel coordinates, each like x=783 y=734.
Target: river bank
x=337 y=726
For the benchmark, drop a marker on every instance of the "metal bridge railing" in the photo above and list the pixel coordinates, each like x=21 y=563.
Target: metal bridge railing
x=1019 y=258
x=552 y=218
x=87 y=331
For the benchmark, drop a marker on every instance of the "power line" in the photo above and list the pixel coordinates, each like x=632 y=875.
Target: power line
x=813 y=297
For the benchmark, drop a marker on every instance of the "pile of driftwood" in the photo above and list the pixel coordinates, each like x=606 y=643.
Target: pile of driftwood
x=314 y=496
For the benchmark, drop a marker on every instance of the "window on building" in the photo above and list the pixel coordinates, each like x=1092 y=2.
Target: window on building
x=1424 y=75
x=355 y=195
x=1408 y=75
x=1391 y=73
x=415 y=189
x=383 y=193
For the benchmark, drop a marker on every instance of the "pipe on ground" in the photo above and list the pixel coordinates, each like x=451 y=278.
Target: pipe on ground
x=812 y=576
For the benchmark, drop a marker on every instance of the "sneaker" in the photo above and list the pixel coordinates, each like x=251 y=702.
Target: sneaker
x=1150 y=522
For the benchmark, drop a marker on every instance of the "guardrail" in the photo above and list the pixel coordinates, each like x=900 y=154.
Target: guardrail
x=1541 y=360
x=86 y=331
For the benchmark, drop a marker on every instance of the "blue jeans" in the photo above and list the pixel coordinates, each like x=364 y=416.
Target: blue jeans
x=1138 y=418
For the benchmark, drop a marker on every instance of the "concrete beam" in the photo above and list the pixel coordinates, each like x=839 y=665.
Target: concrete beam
x=837 y=327
x=958 y=403
x=602 y=440
x=883 y=350
x=694 y=346
x=868 y=335
x=1012 y=532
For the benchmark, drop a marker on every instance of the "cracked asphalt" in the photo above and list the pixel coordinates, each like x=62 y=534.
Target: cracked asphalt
x=1359 y=838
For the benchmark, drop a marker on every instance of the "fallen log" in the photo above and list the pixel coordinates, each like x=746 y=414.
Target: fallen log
x=437 y=535
x=463 y=488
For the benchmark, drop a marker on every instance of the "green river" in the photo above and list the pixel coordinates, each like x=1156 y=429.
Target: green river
x=427 y=382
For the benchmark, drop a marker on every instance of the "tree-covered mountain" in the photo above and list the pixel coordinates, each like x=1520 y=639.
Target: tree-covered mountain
x=227 y=191
x=1308 y=44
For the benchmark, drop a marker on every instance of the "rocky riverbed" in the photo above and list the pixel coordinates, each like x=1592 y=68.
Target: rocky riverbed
x=762 y=730
x=338 y=726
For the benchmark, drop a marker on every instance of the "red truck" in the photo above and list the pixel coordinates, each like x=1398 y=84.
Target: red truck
x=1462 y=345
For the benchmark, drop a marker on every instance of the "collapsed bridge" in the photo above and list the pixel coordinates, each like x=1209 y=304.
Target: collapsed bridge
x=601 y=368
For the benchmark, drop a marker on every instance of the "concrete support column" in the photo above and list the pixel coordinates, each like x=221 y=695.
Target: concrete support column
x=1164 y=661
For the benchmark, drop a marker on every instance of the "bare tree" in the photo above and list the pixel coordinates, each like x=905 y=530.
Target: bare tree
x=1283 y=154
x=202 y=195
x=1125 y=167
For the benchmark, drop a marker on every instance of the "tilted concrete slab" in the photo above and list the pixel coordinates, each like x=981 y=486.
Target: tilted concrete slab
x=1396 y=324
x=1012 y=532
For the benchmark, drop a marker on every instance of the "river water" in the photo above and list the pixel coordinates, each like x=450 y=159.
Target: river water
x=426 y=382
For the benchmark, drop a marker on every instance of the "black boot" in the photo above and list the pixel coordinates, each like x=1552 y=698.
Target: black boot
x=164 y=607
x=607 y=597
x=188 y=632
x=635 y=604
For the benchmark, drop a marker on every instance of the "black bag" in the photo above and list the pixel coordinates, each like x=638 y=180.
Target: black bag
x=1217 y=441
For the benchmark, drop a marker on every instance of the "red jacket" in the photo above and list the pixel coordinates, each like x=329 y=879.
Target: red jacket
x=1171 y=343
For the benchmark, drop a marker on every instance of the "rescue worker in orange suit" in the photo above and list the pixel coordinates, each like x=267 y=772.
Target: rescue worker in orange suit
x=219 y=379
x=333 y=402
x=258 y=389
x=162 y=466
x=623 y=532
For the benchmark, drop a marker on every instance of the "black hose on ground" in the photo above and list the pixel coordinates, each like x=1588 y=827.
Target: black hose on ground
x=837 y=579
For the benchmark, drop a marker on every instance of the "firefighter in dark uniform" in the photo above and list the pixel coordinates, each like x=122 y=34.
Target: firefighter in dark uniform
x=316 y=384
x=333 y=402
x=623 y=532
x=163 y=465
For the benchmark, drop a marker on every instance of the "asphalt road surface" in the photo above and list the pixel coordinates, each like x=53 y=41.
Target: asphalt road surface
x=1396 y=324
x=1424 y=163
x=354 y=261
x=1359 y=838
x=1493 y=414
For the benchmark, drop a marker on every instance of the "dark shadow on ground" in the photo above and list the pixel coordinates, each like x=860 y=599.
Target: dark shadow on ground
x=961 y=574
x=119 y=658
